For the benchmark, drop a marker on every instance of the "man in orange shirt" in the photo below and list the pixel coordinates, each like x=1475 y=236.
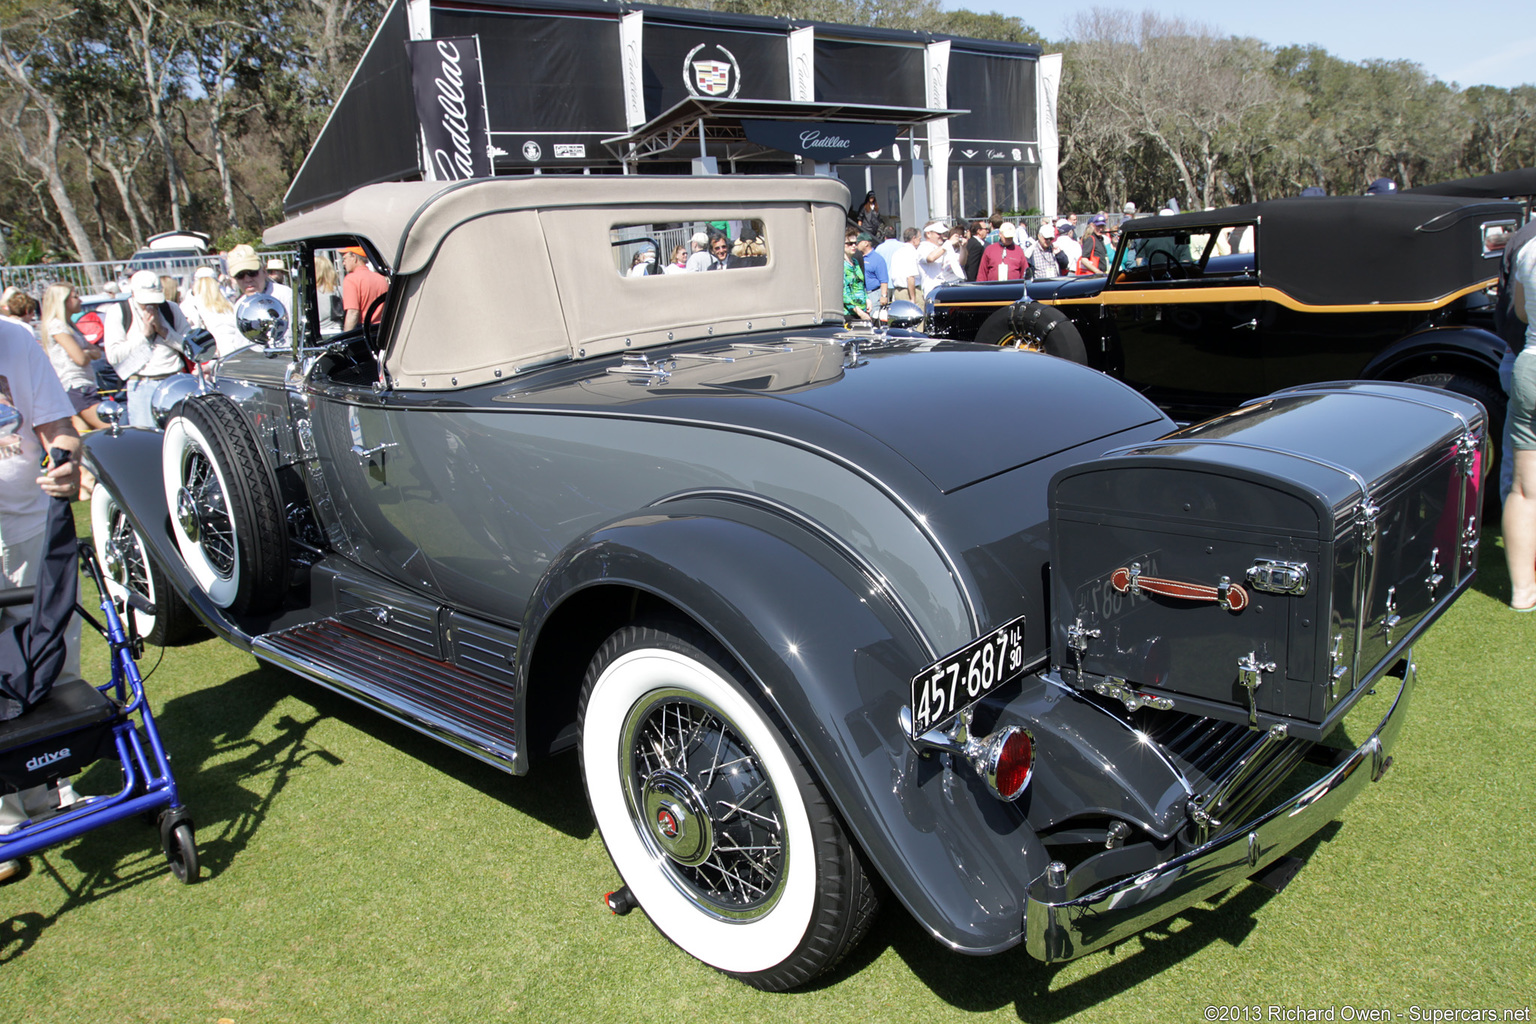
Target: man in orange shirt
x=360 y=288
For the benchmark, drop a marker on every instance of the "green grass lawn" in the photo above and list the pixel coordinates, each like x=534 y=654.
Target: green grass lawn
x=356 y=872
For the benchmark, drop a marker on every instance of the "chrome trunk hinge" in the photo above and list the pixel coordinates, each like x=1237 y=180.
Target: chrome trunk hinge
x=1250 y=673
x=1466 y=452
x=1368 y=529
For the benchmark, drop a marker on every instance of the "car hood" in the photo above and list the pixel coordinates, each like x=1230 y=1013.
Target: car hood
x=957 y=413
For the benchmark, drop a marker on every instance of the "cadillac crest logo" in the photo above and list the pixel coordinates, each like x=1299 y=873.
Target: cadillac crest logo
x=666 y=823
x=711 y=77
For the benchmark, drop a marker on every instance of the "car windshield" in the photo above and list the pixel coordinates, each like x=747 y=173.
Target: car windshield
x=1217 y=252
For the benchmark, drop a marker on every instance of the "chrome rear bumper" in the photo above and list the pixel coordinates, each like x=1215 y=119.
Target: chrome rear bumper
x=1060 y=928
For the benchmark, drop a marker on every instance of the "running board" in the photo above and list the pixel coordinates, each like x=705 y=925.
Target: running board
x=436 y=698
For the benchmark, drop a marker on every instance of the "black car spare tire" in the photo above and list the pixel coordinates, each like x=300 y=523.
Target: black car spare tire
x=225 y=511
x=1034 y=327
x=711 y=815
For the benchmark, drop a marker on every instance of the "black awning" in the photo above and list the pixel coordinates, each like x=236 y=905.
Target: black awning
x=723 y=122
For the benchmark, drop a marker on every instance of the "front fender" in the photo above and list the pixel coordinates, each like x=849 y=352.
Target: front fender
x=833 y=655
x=127 y=463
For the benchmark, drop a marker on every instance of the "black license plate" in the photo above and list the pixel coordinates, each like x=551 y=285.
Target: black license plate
x=955 y=682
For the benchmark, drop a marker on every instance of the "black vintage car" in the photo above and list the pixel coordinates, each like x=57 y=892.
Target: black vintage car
x=1203 y=311
x=827 y=613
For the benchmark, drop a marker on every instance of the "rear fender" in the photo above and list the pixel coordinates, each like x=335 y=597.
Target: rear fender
x=1468 y=350
x=833 y=655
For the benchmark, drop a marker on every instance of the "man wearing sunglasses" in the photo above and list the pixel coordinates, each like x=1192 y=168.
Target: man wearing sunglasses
x=251 y=279
x=719 y=251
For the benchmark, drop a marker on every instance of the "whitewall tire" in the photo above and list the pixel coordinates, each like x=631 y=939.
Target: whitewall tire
x=711 y=816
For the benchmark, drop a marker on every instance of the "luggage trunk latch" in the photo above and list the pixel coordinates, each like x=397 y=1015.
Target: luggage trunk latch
x=1250 y=673
x=1077 y=639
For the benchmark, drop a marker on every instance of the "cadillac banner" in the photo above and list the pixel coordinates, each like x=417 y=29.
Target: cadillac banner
x=824 y=142
x=450 y=101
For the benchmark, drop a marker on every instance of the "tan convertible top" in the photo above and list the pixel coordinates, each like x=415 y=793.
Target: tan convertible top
x=497 y=275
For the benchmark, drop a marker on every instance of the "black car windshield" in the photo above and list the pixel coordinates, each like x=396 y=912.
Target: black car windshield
x=1216 y=253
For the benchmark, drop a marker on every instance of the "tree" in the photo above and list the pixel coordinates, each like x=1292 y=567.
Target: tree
x=34 y=113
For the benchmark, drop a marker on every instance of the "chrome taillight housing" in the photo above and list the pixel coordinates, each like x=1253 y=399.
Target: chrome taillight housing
x=1004 y=760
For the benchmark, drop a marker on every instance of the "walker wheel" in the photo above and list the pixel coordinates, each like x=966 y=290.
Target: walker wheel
x=180 y=847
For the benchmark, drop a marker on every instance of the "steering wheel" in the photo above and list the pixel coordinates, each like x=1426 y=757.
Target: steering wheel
x=1165 y=266
x=368 y=324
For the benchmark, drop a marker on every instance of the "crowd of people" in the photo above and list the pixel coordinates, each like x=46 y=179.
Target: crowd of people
x=882 y=266
x=135 y=340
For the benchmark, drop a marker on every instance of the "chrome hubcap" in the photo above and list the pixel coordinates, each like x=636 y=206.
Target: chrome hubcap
x=675 y=812
x=112 y=559
x=186 y=514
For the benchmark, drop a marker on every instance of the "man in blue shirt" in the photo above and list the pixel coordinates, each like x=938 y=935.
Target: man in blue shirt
x=877 y=276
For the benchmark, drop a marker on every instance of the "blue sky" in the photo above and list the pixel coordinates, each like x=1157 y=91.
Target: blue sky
x=1483 y=42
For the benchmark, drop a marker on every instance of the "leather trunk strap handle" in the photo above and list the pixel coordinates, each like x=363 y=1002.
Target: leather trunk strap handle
x=1229 y=595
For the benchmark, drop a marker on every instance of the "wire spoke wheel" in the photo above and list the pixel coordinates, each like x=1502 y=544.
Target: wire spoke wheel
x=711 y=815
x=226 y=515
x=702 y=797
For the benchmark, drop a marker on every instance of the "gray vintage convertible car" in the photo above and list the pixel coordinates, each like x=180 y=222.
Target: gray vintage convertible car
x=829 y=613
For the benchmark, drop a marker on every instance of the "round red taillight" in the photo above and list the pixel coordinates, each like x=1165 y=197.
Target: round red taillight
x=1012 y=764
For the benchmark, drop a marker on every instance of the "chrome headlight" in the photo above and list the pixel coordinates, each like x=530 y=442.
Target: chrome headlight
x=170 y=393
x=262 y=320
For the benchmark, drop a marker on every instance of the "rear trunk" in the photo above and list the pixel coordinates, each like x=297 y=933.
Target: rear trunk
x=1234 y=571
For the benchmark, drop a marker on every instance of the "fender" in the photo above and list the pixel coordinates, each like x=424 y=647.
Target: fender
x=128 y=464
x=1457 y=347
x=834 y=654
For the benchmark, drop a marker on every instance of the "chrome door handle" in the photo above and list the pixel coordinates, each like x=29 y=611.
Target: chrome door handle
x=364 y=453
x=1251 y=325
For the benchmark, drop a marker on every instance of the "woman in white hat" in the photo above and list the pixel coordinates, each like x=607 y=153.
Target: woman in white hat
x=143 y=342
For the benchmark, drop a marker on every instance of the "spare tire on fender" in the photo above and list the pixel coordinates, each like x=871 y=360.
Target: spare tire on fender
x=1034 y=327
x=226 y=513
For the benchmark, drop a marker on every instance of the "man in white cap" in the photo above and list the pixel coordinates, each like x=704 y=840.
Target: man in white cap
x=251 y=279
x=1004 y=260
x=277 y=271
x=143 y=342
x=1066 y=243
x=1045 y=259
x=698 y=257
x=931 y=254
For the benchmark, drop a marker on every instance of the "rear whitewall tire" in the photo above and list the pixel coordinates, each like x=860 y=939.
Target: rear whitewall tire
x=821 y=902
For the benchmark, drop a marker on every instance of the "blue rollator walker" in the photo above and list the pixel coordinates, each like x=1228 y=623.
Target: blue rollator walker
x=54 y=731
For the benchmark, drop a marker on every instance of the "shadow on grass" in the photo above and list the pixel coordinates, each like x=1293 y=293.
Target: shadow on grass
x=1492 y=570
x=983 y=984
x=207 y=735
x=553 y=795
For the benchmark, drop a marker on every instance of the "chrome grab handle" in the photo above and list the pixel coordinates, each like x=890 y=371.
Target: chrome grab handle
x=364 y=453
x=1251 y=325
